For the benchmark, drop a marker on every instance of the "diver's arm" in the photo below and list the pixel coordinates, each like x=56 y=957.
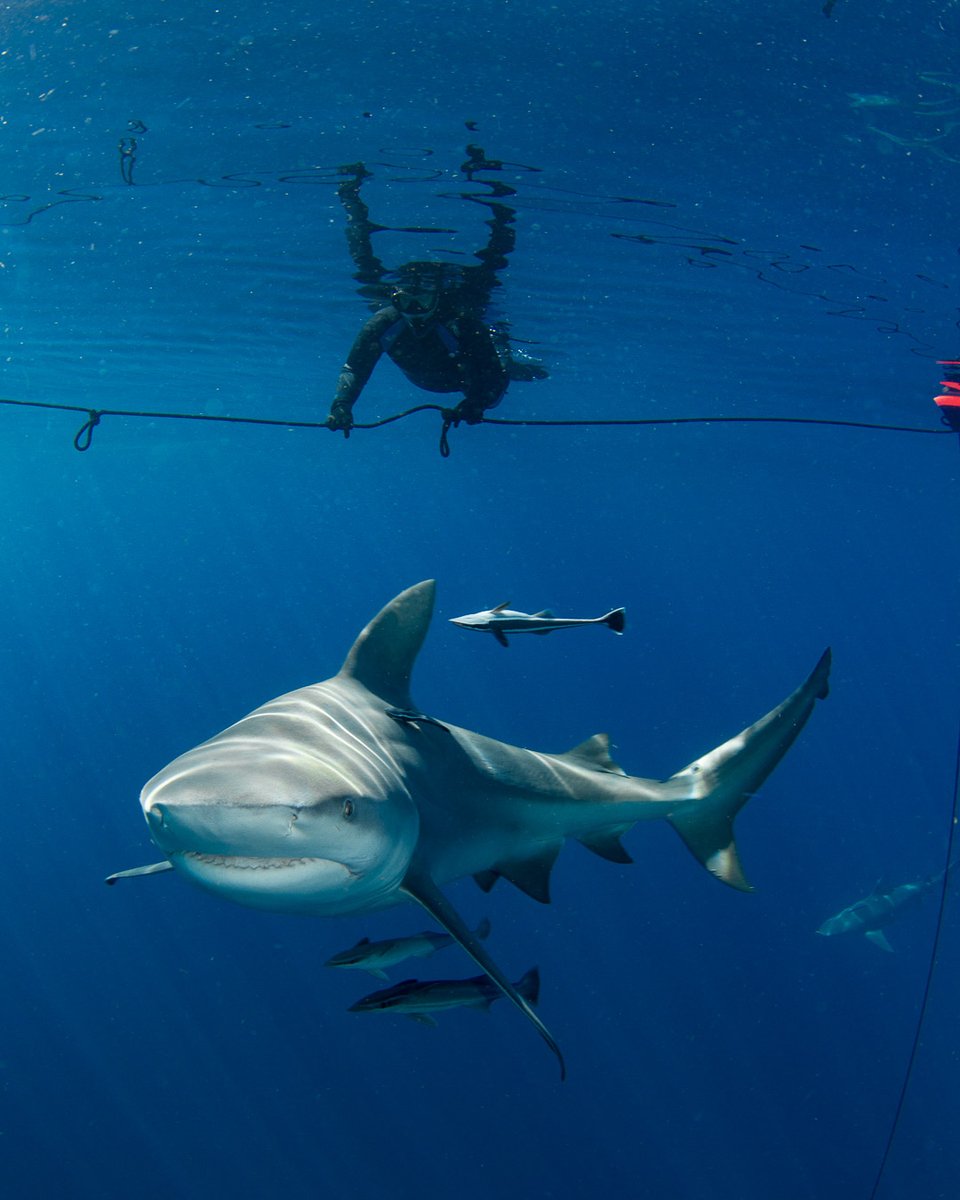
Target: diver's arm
x=360 y=229
x=484 y=379
x=356 y=371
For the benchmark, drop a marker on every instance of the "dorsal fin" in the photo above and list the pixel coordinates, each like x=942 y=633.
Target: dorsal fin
x=501 y=607
x=595 y=753
x=544 y=612
x=382 y=657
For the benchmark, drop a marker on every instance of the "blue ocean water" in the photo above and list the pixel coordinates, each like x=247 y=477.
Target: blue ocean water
x=738 y=209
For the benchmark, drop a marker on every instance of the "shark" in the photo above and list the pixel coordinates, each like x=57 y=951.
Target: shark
x=342 y=798
x=885 y=904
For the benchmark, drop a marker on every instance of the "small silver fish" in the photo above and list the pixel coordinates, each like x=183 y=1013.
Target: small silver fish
x=375 y=957
x=503 y=620
x=418 y=999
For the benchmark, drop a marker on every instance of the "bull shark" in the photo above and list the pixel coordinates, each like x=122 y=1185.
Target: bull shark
x=885 y=904
x=375 y=957
x=503 y=620
x=418 y=999
x=341 y=797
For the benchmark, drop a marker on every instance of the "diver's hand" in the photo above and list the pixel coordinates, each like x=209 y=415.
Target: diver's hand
x=469 y=413
x=340 y=419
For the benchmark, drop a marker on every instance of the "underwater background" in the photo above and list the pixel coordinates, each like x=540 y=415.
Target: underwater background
x=740 y=210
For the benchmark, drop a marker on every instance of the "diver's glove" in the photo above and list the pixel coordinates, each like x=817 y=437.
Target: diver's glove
x=340 y=419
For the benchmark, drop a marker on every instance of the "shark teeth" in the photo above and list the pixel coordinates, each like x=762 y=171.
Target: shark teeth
x=247 y=864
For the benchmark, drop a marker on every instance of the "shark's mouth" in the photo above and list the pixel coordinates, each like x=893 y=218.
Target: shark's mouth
x=246 y=863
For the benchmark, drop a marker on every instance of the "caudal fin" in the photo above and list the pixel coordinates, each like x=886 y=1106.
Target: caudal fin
x=721 y=782
x=616 y=620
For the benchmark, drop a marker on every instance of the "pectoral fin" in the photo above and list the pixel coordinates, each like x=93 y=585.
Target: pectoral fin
x=879 y=938
x=500 y=636
x=153 y=869
x=420 y=887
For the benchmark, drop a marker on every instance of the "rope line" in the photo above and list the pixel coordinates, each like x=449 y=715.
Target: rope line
x=931 y=969
x=84 y=436
x=721 y=420
x=948 y=866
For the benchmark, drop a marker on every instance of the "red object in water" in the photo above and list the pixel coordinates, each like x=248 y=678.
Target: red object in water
x=949 y=406
x=949 y=401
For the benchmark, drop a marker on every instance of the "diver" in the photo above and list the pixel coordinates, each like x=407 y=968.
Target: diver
x=430 y=317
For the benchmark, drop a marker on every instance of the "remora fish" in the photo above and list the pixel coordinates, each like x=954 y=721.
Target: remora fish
x=885 y=904
x=503 y=620
x=417 y=1000
x=322 y=802
x=375 y=957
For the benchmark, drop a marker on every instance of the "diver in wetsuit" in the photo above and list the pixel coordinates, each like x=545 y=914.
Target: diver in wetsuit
x=431 y=320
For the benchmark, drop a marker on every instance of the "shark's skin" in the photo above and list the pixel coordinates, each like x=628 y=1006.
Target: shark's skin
x=871 y=915
x=323 y=802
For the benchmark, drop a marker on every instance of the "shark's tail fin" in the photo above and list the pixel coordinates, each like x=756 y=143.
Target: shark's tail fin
x=720 y=783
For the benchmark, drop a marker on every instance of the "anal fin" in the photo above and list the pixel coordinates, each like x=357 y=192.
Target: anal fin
x=608 y=845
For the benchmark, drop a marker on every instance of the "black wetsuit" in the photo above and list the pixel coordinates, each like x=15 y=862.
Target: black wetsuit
x=457 y=350
x=453 y=352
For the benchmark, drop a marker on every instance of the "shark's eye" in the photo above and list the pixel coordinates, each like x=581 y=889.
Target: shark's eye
x=348 y=810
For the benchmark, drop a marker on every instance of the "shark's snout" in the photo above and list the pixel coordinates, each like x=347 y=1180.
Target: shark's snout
x=224 y=830
x=284 y=829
